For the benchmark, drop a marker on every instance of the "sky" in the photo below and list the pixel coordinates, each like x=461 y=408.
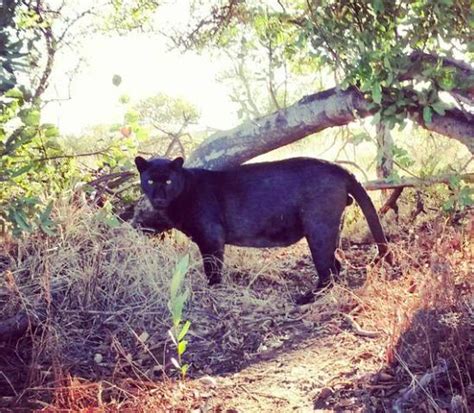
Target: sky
x=147 y=67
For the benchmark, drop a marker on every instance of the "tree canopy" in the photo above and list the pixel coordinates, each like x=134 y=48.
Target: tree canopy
x=397 y=59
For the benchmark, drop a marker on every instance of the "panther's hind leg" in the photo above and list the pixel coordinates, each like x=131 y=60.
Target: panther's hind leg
x=322 y=234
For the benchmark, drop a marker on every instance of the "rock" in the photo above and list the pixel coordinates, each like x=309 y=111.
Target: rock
x=208 y=381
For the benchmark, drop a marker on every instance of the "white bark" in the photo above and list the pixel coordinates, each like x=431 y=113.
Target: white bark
x=311 y=114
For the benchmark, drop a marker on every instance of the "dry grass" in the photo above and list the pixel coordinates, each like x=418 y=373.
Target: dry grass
x=102 y=344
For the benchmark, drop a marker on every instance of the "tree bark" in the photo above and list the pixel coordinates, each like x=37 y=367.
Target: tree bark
x=311 y=114
x=384 y=166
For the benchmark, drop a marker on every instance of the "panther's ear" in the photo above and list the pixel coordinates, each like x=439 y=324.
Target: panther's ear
x=177 y=163
x=141 y=163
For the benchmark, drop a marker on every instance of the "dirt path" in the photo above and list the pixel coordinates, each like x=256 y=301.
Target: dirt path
x=313 y=368
x=313 y=375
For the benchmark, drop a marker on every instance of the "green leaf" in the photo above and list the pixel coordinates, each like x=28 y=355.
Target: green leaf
x=182 y=347
x=184 y=330
x=178 y=275
x=22 y=170
x=378 y=5
x=46 y=213
x=14 y=93
x=31 y=117
x=50 y=130
x=439 y=107
x=52 y=144
x=448 y=205
x=394 y=177
x=142 y=134
x=401 y=156
x=359 y=138
x=427 y=114
x=365 y=86
x=454 y=181
x=124 y=99
x=176 y=307
x=45 y=223
x=466 y=196
x=21 y=221
x=376 y=118
x=377 y=93
x=184 y=369
x=132 y=116
x=112 y=221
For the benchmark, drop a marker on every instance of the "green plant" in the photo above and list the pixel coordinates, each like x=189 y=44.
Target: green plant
x=178 y=298
x=460 y=196
x=32 y=167
x=30 y=172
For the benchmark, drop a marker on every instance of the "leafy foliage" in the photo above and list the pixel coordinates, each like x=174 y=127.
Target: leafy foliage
x=460 y=196
x=161 y=123
x=128 y=15
x=398 y=53
x=28 y=174
x=165 y=112
x=31 y=165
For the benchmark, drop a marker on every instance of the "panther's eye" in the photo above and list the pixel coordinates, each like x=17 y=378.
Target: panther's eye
x=150 y=182
x=168 y=182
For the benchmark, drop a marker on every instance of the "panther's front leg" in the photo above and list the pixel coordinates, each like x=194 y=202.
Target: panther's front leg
x=211 y=245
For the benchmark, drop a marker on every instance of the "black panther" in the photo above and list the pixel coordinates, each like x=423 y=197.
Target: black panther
x=270 y=204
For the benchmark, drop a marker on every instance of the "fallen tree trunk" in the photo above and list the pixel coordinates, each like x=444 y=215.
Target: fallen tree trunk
x=310 y=115
x=252 y=138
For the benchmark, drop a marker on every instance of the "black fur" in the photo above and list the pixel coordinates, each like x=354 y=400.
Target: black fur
x=272 y=204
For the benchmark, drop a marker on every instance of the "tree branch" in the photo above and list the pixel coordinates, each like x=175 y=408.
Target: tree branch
x=464 y=72
x=413 y=182
x=391 y=202
x=311 y=114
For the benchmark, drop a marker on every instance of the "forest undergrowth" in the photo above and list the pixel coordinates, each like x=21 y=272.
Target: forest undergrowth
x=84 y=322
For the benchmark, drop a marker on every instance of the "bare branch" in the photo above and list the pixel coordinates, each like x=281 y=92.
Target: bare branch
x=413 y=182
x=391 y=202
x=72 y=156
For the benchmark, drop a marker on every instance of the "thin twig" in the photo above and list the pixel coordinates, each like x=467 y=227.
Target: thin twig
x=358 y=329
